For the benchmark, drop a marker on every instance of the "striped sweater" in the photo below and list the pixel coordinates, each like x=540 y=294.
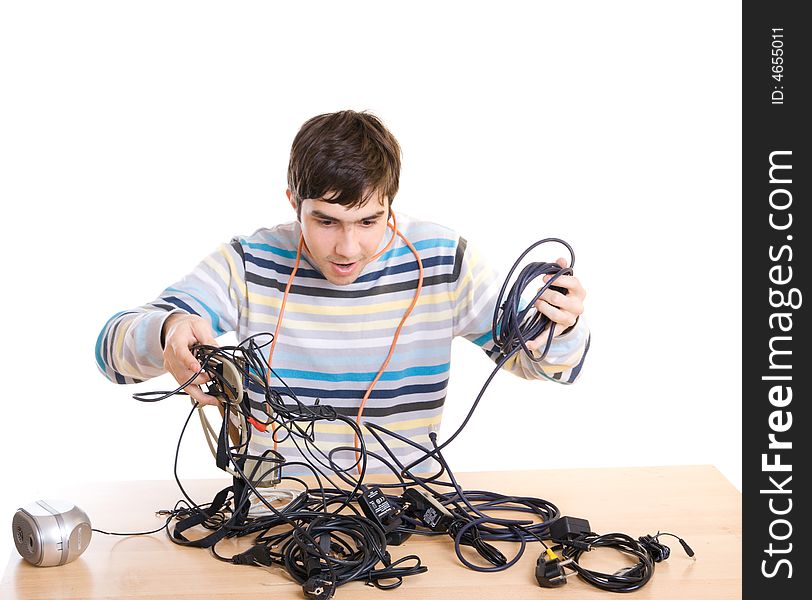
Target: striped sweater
x=333 y=339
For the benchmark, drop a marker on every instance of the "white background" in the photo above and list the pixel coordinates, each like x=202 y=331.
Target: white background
x=136 y=137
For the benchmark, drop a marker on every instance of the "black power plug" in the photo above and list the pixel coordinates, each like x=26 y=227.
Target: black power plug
x=550 y=571
x=427 y=509
x=380 y=509
x=318 y=585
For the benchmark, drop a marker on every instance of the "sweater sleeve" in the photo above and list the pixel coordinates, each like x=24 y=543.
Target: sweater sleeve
x=129 y=349
x=475 y=294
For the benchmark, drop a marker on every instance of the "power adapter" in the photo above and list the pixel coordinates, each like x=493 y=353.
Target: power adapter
x=378 y=508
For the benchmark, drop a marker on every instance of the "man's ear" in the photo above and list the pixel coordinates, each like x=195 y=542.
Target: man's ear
x=297 y=209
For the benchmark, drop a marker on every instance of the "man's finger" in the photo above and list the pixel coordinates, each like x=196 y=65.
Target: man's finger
x=561 y=317
x=571 y=303
x=570 y=283
x=202 y=378
x=541 y=340
x=556 y=298
x=564 y=281
x=193 y=365
x=186 y=362
x=184 y=370
x=203 y=334
x=197 y=394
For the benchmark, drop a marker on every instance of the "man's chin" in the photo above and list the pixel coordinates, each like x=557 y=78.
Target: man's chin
x=344 y=281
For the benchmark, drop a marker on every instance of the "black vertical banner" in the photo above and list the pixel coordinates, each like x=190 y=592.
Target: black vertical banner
x=776 y=371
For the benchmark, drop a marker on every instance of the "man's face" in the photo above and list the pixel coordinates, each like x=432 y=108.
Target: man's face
x=342 y=241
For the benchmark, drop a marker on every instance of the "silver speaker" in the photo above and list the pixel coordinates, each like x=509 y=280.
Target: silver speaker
x=49 y=533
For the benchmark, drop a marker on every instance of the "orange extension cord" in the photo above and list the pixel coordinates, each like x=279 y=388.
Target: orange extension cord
x=302 y=246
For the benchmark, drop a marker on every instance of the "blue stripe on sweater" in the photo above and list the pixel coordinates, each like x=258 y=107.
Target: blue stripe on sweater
x=312 y=274
x=363 y=377
x=404 y=391
x=421 y=245
x=483 y=339
x=272 y=249
x=215 y=320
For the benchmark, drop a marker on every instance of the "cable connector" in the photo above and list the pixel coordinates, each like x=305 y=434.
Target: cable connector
x=318 y=585
x=255 y=555
x=377 y=507
x=257 y=425
x=319 y=588
x=427 y=509
x=687 y=548
x=550 y=570
x=660 y=551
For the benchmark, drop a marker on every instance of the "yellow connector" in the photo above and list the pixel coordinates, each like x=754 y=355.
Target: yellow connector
x=551 y=554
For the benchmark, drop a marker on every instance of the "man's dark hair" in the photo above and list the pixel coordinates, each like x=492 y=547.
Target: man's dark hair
x=347 y=156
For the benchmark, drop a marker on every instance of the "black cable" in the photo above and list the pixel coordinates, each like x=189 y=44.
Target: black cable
x=625 y=580
x=180 y=509
x=321 y=538
x=647 y=549
x=514 y=325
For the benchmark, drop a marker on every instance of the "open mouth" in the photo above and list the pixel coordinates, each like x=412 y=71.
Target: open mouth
x=343 y=268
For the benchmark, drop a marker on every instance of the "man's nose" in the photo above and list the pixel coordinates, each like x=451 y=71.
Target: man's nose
x=347 y=244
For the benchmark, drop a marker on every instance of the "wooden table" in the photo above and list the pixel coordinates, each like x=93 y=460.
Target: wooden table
x=695 y=502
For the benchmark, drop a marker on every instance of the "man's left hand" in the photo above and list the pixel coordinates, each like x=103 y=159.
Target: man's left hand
x=562 y=309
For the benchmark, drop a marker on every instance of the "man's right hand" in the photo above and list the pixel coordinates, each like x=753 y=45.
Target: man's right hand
x=180 y=332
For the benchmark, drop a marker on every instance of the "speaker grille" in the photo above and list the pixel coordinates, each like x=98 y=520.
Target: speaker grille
x=27 y=537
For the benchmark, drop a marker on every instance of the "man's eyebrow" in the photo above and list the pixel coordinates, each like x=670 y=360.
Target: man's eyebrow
x=324 y=216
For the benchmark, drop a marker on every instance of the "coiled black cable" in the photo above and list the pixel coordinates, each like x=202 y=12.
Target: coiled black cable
x=647 y=549
x=627 y=579
x=514 y=325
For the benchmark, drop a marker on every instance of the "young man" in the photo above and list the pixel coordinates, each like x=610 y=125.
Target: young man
x=343 y=291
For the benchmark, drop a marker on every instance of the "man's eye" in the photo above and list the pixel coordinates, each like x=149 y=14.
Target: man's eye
x=368 y=223
x=326 y=223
